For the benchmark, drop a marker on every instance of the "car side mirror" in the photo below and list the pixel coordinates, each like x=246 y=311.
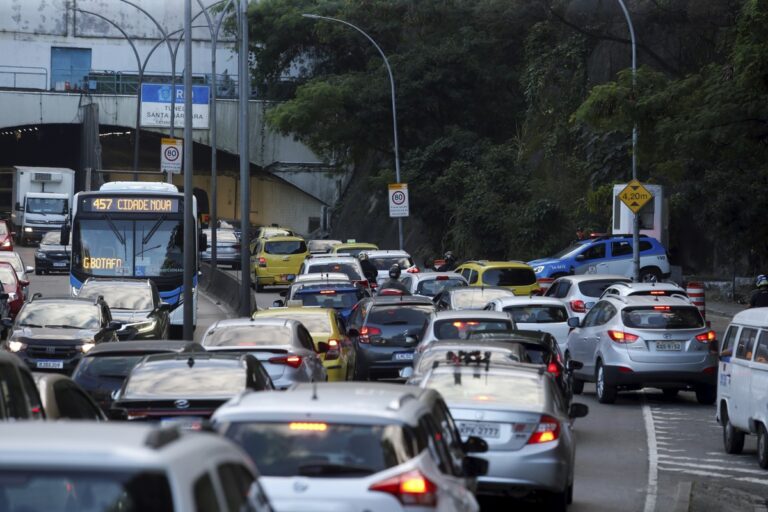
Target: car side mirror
x=406 y=372
x=114 y=325
x=163 y=306
x=29 y=270
x=278 y=303
x=6 y=322
x=574 y=322
x=353 y=333
x=474 y=466
x=475 y=444
x=573 y=365
x=322 y=347
x=23 y=282
x=577 y=410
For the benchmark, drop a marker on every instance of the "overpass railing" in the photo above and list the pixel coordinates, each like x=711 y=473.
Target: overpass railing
x=23 y=77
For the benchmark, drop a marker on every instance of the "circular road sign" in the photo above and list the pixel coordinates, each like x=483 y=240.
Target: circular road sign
x=171 y=153
x=398 y=197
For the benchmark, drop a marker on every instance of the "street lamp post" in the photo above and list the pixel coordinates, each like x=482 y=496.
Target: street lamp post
x=636 y=223
x=190 y=233
x=394 y=107
x=245 y=165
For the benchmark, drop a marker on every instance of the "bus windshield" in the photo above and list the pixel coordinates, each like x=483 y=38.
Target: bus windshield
x=111 y=247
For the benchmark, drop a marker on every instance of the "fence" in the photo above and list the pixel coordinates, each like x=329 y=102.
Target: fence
x=23 y=77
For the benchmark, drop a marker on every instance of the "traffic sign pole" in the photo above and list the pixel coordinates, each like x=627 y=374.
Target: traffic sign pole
x=635 y=196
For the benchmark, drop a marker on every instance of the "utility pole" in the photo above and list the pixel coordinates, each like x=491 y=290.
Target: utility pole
x=190 y=233
x=245 y=166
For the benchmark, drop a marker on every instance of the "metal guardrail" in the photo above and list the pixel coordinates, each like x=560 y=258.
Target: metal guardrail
x=23 y=77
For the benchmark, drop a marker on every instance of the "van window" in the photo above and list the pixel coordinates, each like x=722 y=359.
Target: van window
x=621 y=248
x=730 y=337
x=761 y=352
x=746 y=344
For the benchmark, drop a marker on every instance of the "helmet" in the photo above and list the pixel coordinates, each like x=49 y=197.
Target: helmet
x=394 y=271
x=761 y=280
x=448 y=254
x=362 y=256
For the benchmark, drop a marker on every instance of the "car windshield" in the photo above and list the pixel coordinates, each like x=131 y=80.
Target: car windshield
x=538 y=314
x=509 y=276
x=120 y=297
x=475 y=384
x=14 y=260
x=596 y=287
x=46 y=205
x=174 y=378
x=337 y=299
x=247 y=335
x=108 y=366
x=3 y=228
x=285 y=248
x=316 y=323
x=498 y=356
x=51 y=238
x=74 y=315
x=476 y=298
x=567 y=251
x=385 y=262
x=662 y=317
x=453 y=329
x=7 y=275
x=399 y=315
x=320 y=449
x=431 y=287
x=349 y=269
x=37 y=489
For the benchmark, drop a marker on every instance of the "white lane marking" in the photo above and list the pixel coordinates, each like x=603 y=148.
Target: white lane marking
x=653 y=457
x=713 y=467
x=716 y=461
x=748 y=479
x=670 y=450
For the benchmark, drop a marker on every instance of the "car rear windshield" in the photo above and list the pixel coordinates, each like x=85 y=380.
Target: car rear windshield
x=538 y=314
x=174 y=379
x=662 y=317
x=348 y=269
x=337 y=299
x=108 y=366
x=72 y=489
x=490 y=388
x=597 y=287
x=318 y=322
x=432 y=287
x=509 y=277
x=51 y=238
x=286 y=247
x=659 y=293
x=385 y=262
x=476 y=298
x=323 y=450
x=248 y=335
x=222 y=236
x=461 y=329
x=399 y=315
x=7 y=275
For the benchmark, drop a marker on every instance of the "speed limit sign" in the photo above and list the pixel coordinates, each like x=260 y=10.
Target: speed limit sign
x=170 y=155
x=398 y=200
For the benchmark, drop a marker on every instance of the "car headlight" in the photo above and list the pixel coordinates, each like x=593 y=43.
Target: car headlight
x=40 y=255
x=85 y=347
x=15 y=346
x=27 y=229
x=144 y=327
x=538 y=270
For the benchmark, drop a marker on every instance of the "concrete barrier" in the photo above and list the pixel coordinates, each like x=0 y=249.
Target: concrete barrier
x=224 y=287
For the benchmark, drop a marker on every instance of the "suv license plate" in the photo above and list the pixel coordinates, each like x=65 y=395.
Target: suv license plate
x=472 y=428
x=669 y=346
x=403 y=356
x=50 y=365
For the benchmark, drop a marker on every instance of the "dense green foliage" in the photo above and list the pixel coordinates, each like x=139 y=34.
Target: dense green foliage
x=506 y=142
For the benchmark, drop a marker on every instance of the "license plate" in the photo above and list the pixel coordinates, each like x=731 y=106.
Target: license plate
x=50 y=365
x=59 y=264
x=182 y=421
x=403 y=356
x=472 y=428
x=669 y=346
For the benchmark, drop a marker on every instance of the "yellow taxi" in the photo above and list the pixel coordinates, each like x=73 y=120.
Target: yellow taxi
x=325 y=325
x=353 y=248
x=276 y=260
x=515 y=275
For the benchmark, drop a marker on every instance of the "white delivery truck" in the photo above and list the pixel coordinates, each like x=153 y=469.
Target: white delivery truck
x=42 y=198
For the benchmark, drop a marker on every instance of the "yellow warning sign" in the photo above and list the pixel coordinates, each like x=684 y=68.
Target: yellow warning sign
x=635 y=196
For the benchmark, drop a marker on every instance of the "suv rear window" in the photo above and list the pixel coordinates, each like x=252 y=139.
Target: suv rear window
x=432 y=287
x=345 y=268
x=248 y=336
x=325 y=298
x=385 y=262
x=108 y=366
x=538 y=314
x=399 y=315
x=509 y=277
x=663 y=317
x=297 y=247
x=597 y=287
x=319 y=449
x=476 y=298
x=462 y=329
x=490 y=388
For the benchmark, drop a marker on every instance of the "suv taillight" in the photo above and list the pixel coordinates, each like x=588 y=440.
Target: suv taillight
x=578 y=306
x=290 y=360
x=411 y=488
x=262 y=261
x=547 y=430
x=333 y=350
x=706 y=337
x=554 y=369
x=622 y=337
x=366 y=333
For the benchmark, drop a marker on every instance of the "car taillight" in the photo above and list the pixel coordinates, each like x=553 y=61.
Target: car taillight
x=391 y=291
x=292 y=361
x=366 y=333
x=622 y=337
x=413 y=270
x=710 y=370
x=262 y=261
x=706 y=337
x=333 y=350
x=554 y=369
x=547 y=430
x=578 y=306
x=411 y=488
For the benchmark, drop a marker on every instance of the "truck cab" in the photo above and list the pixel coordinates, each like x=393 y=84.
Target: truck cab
x=42 y=197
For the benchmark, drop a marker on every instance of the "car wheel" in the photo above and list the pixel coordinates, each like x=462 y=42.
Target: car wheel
x=706 y=395
x=650 y=275
x=670 y=393
x=733 y=438
x=556 y=501
x=762 y=446
x=606 y=393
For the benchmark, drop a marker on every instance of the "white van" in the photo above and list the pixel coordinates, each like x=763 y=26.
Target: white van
x=742 y=389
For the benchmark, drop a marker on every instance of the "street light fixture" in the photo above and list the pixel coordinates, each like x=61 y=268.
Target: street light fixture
x=394 y=107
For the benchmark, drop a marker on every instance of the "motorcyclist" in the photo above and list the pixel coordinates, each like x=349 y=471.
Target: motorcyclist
x=369 y=269
x=393 y=283
x=759 y=297
x=449 y=263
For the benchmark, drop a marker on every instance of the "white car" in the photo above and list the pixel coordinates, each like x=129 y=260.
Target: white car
x=579 y=293
x=536 y=314
x=653 y=289
x=334 y=264
x=430 y=284
x=383 y=260
x=352 y=446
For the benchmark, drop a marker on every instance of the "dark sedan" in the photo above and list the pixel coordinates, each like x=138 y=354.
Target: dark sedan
x=51 y=256
x=227 y=248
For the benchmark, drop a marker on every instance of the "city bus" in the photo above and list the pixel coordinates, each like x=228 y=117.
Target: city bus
x=133 y=230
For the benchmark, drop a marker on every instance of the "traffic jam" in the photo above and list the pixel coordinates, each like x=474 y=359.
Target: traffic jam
x=369 y=382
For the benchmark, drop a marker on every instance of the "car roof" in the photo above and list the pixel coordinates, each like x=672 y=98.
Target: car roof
x=356 y=245
x=487 y=263
x=283 y=238
x=234 y=322
x=423 y=276
x=144 y=346
x=381 y=253
x=580 y=278
x=191 y=360
x=61 y=300
x=406 y=300
x=321 y=277
x=313 y=287
x=470 y=313
x=329 y=257
x=649 y=300
x=527 y=301
x=353 y=400
x=757 y=317
x=467 y=345
x=650 y=286
x=480 y=290
x=516 y=336
x=293 y=311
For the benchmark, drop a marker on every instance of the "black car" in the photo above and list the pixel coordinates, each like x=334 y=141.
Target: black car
x=191 y=385
x=134 y=303
x=385 y=332
x=469 y=297
x=51 y=256
x=53 y=334
x=102 y=371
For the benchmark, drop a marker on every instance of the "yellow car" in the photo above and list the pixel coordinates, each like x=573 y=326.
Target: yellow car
x=353 y=248
x=324 y=325
x=515 y=275
x=276 y=260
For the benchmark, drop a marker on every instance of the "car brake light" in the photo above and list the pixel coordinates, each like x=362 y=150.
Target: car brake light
x=308 y=426
x=292 y=361
x=554 y=369
x=262 y=261
x=547 y=430
x=661 y=308
x=441 y=278
x=622 y=337
x=706 y=337
x=658 y=292
x=411 y=488
x=578 y=306
x=463 y=324
x=391 y=291
x=710 y=370
x=413 y=270
x=366 y=332
x=327 y=292
x=333 y=350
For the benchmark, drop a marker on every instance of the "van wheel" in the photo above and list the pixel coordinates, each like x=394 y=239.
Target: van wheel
x=733 y=438
x=606 y=394
x=706 y=395
x=762 y=446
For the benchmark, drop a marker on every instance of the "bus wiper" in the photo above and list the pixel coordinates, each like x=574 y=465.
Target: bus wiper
x=152 y=231
x=147 y=249
x=114 y=229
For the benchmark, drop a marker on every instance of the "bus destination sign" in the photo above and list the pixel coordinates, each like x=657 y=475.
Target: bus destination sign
x=132 y=204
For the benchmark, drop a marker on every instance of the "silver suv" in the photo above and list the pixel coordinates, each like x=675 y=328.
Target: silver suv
x=646 y=341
